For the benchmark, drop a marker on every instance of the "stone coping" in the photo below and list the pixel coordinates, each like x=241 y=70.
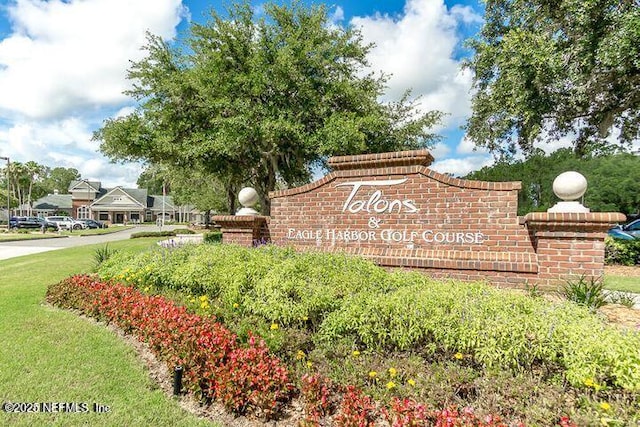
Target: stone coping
x=381 y=160
x=398 y=170
x=521 y=262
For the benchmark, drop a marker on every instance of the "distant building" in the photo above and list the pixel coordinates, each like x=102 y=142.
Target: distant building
x=88 y=199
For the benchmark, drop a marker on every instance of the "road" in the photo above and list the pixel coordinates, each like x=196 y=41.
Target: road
x=27 y=247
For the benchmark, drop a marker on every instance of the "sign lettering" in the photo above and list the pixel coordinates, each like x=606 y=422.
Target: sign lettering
x=376 y=203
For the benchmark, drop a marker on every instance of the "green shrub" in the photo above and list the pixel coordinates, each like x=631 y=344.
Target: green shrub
x=140 y=234
x=183 y=231
x=102 y=254
x=351 y=303
x=587 y=292
x=306 y=287
x=212 y=237
x=623 y=252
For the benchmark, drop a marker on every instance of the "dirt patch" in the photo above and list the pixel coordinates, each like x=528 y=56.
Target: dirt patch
x=622 y=270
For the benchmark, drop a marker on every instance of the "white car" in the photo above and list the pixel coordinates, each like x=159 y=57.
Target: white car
x=66 y=222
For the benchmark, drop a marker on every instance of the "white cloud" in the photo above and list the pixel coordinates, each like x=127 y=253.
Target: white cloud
x=65 y=56
x=466 y=14
x=418 y=48
x=440 y=150
x=337 y=15
x=466 y=146
x=462 y=166
x=63 y=69
x=66 y=143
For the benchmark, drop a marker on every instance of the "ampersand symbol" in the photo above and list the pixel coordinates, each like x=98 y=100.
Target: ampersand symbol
x=374 y=222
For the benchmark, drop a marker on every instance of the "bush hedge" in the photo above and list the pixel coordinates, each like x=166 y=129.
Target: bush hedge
x=342 y=299
x=622 y=252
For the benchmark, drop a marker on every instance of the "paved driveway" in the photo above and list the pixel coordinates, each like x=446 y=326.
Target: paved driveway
x=27 y=247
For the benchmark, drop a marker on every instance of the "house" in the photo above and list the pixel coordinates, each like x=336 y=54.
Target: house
x=118 y=205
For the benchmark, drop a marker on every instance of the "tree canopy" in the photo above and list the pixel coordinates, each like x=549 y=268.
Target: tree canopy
x=30 y=180
x=261 y=100
x=545 y=69
x=612 y=180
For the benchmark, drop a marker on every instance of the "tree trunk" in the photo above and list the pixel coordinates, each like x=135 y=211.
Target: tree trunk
x=231 y=199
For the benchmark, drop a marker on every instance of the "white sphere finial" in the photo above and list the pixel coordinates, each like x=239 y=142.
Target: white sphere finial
x=570 y=185
x=248 y=197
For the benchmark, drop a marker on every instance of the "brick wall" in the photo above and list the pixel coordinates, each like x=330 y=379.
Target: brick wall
x=392 y=208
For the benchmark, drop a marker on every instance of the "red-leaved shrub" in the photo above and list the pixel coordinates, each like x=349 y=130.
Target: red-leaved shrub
x=215 y=365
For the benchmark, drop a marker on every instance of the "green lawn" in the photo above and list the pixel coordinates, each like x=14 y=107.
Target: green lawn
x=12 y=237
x=622 y=283
x=51 y=355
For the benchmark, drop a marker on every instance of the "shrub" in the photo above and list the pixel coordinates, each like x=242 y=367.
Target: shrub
x=306 y=287
x=212 y=237
x=165 y=233
x=352 y=303
x=183 y=231
x=623 y=252
x=587 y=292
x=216 y=366
x=492 y=328
x=102 y=254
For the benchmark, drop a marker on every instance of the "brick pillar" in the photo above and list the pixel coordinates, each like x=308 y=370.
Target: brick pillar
x=569 y=245
x=243 y=230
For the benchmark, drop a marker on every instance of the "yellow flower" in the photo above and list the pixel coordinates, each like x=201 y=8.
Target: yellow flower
x=203 y=298
x=305 y=318
x=146 y=289
x=458 y=356
x=300 y=355
x=373 y=374
x=204 y=305
x=235 y=305
x=274 y=326
x=355 y=353
x=309 y=365
x=605 y=406
x=393 y=372
x=589 y=382
x=391 y=385
x=411 y=382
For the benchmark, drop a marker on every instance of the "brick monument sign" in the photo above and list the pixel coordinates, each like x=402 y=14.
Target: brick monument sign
x=392 y=209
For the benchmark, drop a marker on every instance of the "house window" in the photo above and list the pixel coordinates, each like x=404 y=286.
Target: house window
x=118 y=198
x=84 y=212
x=104 y=216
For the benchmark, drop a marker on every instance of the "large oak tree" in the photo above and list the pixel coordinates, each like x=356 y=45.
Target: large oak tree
x=546 y=69
x=261 y=100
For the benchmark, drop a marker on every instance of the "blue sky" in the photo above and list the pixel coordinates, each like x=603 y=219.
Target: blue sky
x=63 y=65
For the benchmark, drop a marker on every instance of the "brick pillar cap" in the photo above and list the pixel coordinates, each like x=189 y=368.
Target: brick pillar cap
x=574 y=218
x=238 y=220
x=381 y=160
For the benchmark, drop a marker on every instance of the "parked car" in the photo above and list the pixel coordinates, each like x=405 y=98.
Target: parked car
x=632 y=228
x=66 y=222
x=30 y=222
x=618 y=233
x=92 y=223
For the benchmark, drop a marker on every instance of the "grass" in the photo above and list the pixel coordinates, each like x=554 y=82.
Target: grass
x=14 y=237
x=50 y=355
x=96 y=231
x=622 y=283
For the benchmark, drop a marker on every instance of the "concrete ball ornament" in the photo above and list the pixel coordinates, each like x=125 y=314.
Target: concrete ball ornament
x=248 y=197
x=570 y=185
